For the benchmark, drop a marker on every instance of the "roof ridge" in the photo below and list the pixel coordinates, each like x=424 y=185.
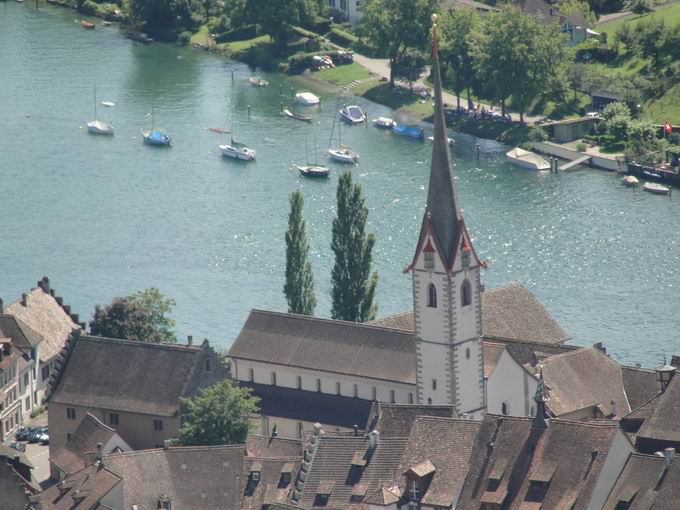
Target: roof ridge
x=287 y=458
x=512 y=283
x=501 y=339
x=573 y=353
x=175 y=448
x=289 y=439
x=589 y=423
x=98 y=422
x=641 y=369
x=105 y=339
x=444 y=418
x=331 y=321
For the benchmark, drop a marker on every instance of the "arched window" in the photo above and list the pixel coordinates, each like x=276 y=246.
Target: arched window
x=410 y=398
x=356 y=391
x=466 y=293
x=467 y=353
x=273 y=378
x=251 y=375
x=432 y=296
x=299 y=382
x=318 y=385
x=392 y=398
x=337 y=388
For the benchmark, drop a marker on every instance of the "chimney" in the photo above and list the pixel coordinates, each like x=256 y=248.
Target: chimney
x=638 y=365
x=45 y=284
x=275 y=432
x=600 y=347
x=167 y=444
x=612 y=409
x=356 y=430
x=669 y=454
x=373 y=439
x=99 y=452
x=190 y=339
x=2 y=306
x=24 y=299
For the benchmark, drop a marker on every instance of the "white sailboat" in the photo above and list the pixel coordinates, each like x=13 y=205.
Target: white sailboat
x=342 y=154
x=95 y=126
x=233 y=149
x=315 y=170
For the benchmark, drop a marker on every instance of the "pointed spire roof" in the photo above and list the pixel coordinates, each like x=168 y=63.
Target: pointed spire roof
x=442 y=198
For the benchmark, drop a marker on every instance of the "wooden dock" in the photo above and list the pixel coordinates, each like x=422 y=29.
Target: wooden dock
x=573 y=163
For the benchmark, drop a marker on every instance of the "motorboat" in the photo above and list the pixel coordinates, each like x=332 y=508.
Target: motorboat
x=384 y=122
x=307 y=98
x=352 y=114
x=527 y=159
x=344 y=155
x=629 y=181
x=292 y=115
x=313 y=170
x=237 y=151
x=450 y=141
x=98 y=127
x=108 y=104
x=88 y=25
x=411 y=131
x=258 y=82
x=656 y=188
x=156 y=137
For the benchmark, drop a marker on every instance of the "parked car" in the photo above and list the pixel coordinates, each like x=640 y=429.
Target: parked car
x=22 y=433
x=34 y=436
x=45 y=438
x=20 y=447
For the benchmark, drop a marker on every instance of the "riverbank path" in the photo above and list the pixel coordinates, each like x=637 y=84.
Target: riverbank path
x=381 y=67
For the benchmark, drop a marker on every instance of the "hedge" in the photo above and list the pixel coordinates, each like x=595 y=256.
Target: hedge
x=241 y=34
x=343 y=38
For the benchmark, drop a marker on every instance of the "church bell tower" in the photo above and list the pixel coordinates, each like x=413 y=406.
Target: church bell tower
x=446 y=286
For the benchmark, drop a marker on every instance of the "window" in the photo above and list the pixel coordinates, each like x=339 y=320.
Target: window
x=434 y=384
x=429 y=260
x=413 y=490
x=318 y=385
x=158 y=425
x=26 y=380
x=113 y=419
x=429 y=401
x=338 y=388
x=467 y=353
x=432 y=296
x=27 y=403
x=45 y=372
x=537 y=491
x=375 y=393
x=273 y=378
x=505 y=408
x=251 y=375
x=410 y=398
x=331 y=3
x=299 y=382
x=207 y=364
x=70 y=413
x=68 y=436
x=356 y=391
x=392 y=398
x=300 y=429
x=532 y=411
x=343 y=5
x=164 y=504
x=466 y=293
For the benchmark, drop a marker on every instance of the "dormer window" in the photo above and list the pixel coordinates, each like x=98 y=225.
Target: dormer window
x=255 y=471
x=432 y=296
x=164 y=503
x=413 y=490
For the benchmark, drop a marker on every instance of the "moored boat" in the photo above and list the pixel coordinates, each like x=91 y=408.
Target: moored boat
x=287 y=113
x=88 y=25
x=344 y=155
x=108 y=104
x=307 y=98
x=156 y=137
x=237 y=151
x=384 y=122
x=656 y=188
x=527 y=159
x=258 y=82
x=449 y=140
x=411 y=131
x=98 y=127
x=629 y=181
x=313 y=170
x=219 y=130
x=352 y=114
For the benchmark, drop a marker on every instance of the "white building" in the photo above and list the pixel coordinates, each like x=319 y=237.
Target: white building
x=349 y=9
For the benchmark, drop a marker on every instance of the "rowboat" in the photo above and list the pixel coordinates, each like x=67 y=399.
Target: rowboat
x=88 y=25
x=219 y=130
x=384 y=122
x=287 y=113
x=258 y=82
x=629 y=181
x=527 y=159
x=656 y=188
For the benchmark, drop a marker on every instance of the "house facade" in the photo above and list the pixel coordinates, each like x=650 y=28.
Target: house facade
x=350 y=9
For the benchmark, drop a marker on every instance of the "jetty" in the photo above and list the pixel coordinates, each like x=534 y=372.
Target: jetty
x=572 y=164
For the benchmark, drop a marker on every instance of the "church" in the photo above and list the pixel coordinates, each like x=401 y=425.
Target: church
x=464 y=347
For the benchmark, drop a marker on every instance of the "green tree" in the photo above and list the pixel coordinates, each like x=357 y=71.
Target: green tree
x=299 y=286
x=392 y=27
x=353 y=285
x=142 y=317
x=651 y=38
x=639 y=6
x=625 y=35
x=458 y=28
x=218 y=415
x=275 y=18
x=409 y=68
x=617 y=119
x=577 y=7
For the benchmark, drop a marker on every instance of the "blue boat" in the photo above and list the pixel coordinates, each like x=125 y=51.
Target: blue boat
x=156 y=137
x=411 y=131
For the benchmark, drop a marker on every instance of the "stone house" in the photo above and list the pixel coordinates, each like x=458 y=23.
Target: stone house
x=134 y=387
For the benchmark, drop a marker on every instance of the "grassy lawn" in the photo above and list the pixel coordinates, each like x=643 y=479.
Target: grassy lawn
x=248 y=43
x=201 y=37
x=397 y=98
x=665 y=108
x=669 y=13
x=344 y=74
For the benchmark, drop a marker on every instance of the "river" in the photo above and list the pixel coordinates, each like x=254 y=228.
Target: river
x=104 y=217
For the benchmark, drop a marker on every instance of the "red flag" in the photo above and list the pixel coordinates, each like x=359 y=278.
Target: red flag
x=667 y=127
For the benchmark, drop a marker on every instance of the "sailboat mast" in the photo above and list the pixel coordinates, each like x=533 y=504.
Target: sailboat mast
x=316 y=156
x=232 y=108
x=95 y=100
x=306 y=148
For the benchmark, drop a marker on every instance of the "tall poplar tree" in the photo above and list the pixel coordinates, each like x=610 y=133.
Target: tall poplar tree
x=353 y=284
x=299 y=286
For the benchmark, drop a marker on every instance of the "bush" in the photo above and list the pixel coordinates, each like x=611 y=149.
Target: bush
x=241 y=34
x=184 y=37
x=581 y=147
x=538 y=134
x=343 y=38
x=37 y=411
x=298 y=63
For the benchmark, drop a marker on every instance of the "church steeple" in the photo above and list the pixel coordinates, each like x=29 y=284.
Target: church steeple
x=442 y=198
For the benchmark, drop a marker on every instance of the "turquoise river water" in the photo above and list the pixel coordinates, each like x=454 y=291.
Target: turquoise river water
x=104 y=217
